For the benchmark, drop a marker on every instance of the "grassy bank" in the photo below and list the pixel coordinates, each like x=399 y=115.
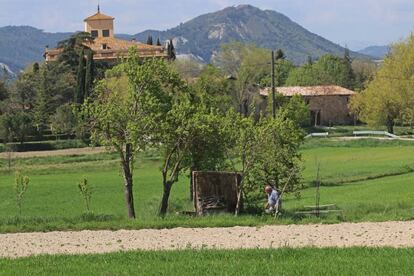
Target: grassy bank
x=353 y=261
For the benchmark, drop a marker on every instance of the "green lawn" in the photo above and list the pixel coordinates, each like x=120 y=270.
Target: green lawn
x=368 y=180
x=354 y=261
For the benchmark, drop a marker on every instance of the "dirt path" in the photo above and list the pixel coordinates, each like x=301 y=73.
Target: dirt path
x=65 y=152
x=386 y=234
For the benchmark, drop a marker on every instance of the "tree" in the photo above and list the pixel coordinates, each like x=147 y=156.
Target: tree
x=63 y=121
x=89 y=74
x=249 y=65
x=72 y=48
x=191 y=134
x=4 y=92
x=279 y=55
x=270 y=154
x=171 y=50
x=328 y=70
x=349 y=74
x=389 y=98
x=42 y=105
x=128 y=108
x=150 y=40
x=80 y=88
x=158 y=42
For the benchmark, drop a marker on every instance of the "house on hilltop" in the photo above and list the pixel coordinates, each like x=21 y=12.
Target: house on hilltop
x=105 y=46
x=329 y=105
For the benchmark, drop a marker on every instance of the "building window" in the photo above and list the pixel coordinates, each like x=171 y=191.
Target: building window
x=94 y=33
x=105 y=33
x=104 y=46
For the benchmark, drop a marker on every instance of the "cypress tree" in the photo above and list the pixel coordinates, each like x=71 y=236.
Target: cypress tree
x=89 y=77
x=349 y=74
x=149 y=40
x=80 y=89
x=171 y=50
x=280 y=54
x=158 y=42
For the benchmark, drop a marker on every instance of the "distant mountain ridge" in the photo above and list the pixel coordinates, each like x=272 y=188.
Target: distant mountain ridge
x=200 y=37
x=378 y=52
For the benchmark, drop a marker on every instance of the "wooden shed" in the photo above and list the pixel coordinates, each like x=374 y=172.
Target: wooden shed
x=215 y=192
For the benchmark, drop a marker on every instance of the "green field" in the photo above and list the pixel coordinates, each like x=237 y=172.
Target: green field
x=354 y=261
x=368 y=180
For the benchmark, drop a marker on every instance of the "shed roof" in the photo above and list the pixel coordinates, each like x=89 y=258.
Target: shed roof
x=99 y=16
x=309 y=91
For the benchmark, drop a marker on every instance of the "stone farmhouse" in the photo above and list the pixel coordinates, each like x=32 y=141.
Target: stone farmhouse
x=329 y=105
x=105 y=46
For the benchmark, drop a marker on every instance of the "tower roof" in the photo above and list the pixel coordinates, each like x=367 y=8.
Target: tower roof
x=99 y=16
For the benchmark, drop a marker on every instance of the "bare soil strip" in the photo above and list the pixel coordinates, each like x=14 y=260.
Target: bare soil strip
x=64 y=152
x=385 y=234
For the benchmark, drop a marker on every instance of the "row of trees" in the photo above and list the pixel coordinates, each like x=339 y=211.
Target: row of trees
x=143 y=104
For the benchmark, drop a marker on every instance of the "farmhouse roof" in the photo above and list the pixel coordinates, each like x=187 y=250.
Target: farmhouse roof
x=99 y=16
x=309 y=91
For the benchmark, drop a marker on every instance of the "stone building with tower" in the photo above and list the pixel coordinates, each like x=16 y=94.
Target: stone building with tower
x=105 y=46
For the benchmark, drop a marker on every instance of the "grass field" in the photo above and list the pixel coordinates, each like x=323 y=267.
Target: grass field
x=353 y=261
x=368 y=180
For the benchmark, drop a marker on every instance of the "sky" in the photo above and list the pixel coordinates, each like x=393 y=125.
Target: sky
x=353 y=23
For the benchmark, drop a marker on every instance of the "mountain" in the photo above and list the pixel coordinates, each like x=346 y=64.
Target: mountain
x=200 y=37
x=203 y=35
x=22 y=45
x=378 y=52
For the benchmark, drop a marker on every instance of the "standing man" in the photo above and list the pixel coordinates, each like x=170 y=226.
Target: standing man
x=273 y=200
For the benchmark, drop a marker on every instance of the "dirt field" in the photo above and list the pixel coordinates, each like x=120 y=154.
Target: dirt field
x=386 y=234
x=30 y=154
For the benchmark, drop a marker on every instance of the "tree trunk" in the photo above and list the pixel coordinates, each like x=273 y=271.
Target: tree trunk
x=128 y=181
x=390 y=125
x=191 y=184
x=165 y=198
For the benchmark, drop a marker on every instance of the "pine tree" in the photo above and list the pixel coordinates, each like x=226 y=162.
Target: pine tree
x=80 y=90
x=158 y=42
x=149 y=40
x=89 y=76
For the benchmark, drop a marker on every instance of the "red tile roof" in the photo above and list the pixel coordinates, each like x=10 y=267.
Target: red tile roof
x=99 y=16
x=309 y=91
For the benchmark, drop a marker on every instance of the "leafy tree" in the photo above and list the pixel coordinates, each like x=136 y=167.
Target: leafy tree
x=389 y=98
x=249 y=65
x=192 y=134
x=42 y=106
x=4 y=92
x=80 y=89
x=63 y=121
x=271 y=154
x=128 y=108
x=16 y=124
x=283 y=69
x=328 y=70
x=189 y=69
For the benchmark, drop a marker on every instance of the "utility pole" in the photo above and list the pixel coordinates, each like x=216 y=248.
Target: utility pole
x=273 y=86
